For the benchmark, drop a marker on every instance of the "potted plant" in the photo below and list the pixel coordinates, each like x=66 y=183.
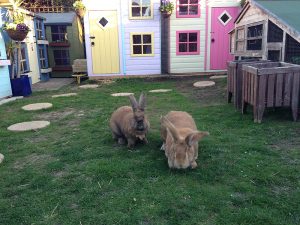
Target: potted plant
x=16 y=29
x=166 y=8
x=79 y=8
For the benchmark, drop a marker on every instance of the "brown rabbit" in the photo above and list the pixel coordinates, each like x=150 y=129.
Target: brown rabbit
x=130 y=123
x=180 y=139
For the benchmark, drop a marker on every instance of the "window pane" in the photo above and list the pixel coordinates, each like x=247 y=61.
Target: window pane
x=136 y=11
x=136 y=39
x=147 y=49
x=255 y=31
x=136 y=2
x=58 y=62
x=137 y=49
x=146 y=38
x=241 y=34
x=146 y=2
x=146 y=11
x=182 y=47
x=183 y=37
x=192 y=37
x=55 y=37
x=183 y=10
x=193 y=47
x=254 y=44
x=54 y=29
x=62 y=29
x=193 y=10
x=23 y=54
x=193 y=1
x=183 y=1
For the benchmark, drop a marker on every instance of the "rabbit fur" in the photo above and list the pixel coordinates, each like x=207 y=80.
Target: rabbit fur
x=130 y=123
x=180 y=139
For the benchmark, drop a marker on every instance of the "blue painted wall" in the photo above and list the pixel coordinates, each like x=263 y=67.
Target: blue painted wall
x=5 y=88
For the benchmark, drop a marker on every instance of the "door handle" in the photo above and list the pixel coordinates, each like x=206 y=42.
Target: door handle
x=92 y=37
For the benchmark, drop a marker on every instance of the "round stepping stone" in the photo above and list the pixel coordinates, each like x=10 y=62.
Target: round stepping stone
x=1 y=158
x=26 y=126
x=37 y=106
x=88 y=86
x=201 y=84
x=64 y=95
x=4 y=101
x=160 y=90
x=217 y=77
x=121 y=94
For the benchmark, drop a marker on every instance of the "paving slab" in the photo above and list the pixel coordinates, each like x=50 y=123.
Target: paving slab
x=7 y=100
x=1 y=158
x=64 y=95
x=202 y=84
x=160 y=90
x=121 y=94
x=52 y=85
x=89 y=86
x=37 y=106
x=30 y=125
x=217 y=77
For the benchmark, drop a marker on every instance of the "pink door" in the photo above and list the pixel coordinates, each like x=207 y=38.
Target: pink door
x=222 y=23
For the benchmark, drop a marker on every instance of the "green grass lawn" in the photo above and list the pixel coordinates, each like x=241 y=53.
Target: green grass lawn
x=72 y=172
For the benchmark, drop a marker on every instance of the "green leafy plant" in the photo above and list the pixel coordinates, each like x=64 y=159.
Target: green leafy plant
x=166 y=6
x=78 y=5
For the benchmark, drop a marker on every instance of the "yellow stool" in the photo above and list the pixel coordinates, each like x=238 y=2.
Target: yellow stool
x=78 y=77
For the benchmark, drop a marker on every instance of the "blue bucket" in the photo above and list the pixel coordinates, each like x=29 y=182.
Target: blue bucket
x=21 y=86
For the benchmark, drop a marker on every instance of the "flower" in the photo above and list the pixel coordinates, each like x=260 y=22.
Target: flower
x=16 y=26
x=78 y=5
x=166 y=6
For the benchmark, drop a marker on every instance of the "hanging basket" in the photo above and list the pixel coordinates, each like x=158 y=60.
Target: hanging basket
x=17 y=35
x=166 y=14
x=80 y=12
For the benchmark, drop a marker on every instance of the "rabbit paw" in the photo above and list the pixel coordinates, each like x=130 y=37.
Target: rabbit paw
x=163 y=147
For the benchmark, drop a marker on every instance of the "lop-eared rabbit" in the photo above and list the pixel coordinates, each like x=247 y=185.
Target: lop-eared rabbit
x=180 y=139
x=130 y=123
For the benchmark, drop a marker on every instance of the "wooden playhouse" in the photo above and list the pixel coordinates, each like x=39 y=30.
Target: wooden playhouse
x=123 y=37
x=65 y=35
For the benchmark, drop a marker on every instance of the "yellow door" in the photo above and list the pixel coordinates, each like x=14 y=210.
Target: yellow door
x=104 y=39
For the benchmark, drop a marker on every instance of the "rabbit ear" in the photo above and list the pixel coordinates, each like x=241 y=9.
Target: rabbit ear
x=170 y=128
x=142 y=101
x=133 y=101
x=194 y=137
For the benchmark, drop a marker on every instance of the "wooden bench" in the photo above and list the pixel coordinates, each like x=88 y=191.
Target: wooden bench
x=269 y=85
x=79 y=76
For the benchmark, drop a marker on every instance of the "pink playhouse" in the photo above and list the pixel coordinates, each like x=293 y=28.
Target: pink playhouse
x=195 y=37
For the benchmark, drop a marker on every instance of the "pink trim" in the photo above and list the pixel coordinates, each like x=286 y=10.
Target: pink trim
x=187 y=32
x=206 y=36
x=188 y=5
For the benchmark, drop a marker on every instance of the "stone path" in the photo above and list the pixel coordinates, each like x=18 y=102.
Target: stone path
x=7 y=100
x=89 y=86
x=37 y=106
x=26 y=126
x=217 y=77
x=1 y=158
x=64 y=95
x=121 y=94
x=52 y=84
x=160 y=90
x=202 y=84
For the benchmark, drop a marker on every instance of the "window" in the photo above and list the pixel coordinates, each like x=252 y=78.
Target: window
x=141 y=9
x=188 y=8
x=59 y=33
x=240 y=40
x=274 y=55
x=39 y=30
x=24 y=59
x=61 y=57
x=292 y=50
x=142 y=44
x=254 y=37
x=275 y=34
x=224 y=18
x=42 y=56
x=188 y=42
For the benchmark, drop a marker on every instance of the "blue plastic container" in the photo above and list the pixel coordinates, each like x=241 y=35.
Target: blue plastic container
x=21 y=86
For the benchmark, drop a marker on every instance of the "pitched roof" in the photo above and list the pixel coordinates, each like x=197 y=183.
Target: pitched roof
x=58 y=18
x=285 y=10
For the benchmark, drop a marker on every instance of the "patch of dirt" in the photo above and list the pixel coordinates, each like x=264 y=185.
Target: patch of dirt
x=58 y=115
x=33 y=159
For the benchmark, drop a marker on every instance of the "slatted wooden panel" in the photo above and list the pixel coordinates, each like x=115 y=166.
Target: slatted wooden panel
x=277 y=87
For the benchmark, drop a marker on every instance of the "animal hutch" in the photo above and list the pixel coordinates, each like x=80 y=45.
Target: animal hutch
x=122 y=37
x=65 y=36
x=268 y=30
x=195 y=37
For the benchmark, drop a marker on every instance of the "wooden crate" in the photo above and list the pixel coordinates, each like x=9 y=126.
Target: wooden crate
x=268 y=85
x=235 y=80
